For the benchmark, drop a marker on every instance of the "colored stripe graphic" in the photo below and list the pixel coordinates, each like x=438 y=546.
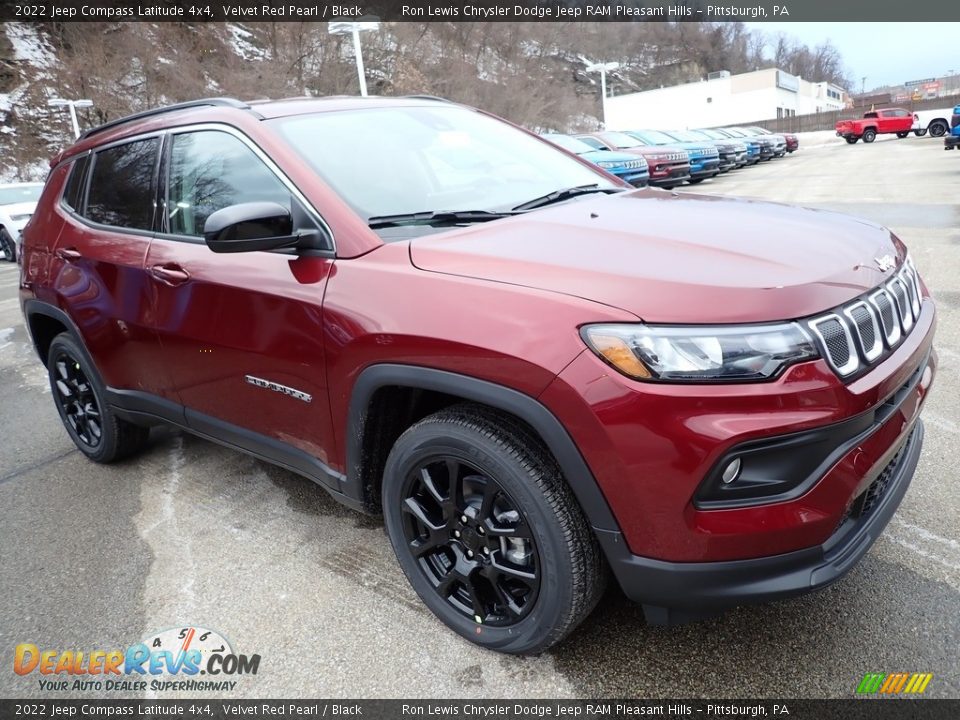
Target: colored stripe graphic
x=894 y=683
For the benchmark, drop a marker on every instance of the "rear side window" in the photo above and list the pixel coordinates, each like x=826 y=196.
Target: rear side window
x=122 y=185
x=73 y=193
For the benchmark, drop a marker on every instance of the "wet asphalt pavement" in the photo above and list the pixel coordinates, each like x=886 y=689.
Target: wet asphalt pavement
x=190 y=533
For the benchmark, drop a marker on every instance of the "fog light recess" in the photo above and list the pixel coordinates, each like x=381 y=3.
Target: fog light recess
x=731 y=472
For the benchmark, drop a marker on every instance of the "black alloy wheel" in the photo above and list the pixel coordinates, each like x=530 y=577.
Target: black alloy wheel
x=487 y=531
x=76 y=399
x=470 y=541
x=78 y=393
x=8 y=246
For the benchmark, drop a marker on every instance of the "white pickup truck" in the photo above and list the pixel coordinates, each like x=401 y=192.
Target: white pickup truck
x=936 y=122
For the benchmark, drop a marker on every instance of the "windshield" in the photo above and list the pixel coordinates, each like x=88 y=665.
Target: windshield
x=735 y=133
x=655 y=137
x=397 y=160
x=20 y=193
x=713 y=134
x=568 y=143
x=686 y=136
x=622 y=140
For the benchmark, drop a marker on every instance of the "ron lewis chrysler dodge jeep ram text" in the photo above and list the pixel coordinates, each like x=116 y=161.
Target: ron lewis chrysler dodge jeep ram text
x=538 y=375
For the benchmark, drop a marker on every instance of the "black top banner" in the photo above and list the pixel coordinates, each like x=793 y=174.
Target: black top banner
x=213 y=709
x=478 y=11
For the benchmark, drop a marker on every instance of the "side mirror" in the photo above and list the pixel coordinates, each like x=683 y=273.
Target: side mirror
x=248 y=227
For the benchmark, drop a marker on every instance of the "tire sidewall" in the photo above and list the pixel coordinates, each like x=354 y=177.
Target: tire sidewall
x=554 y=596
x=108 y=439
x=869 y=136
x=9 y=246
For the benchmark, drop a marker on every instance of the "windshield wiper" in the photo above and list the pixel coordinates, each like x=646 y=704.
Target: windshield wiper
x=565 y=194
x=446 y=217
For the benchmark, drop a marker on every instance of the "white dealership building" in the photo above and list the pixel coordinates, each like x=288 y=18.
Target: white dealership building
x=724 y=99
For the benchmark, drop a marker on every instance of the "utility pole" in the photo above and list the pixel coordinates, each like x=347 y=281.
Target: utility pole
x=73 y=105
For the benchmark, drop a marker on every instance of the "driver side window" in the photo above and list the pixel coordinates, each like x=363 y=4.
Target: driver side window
x=211 y=170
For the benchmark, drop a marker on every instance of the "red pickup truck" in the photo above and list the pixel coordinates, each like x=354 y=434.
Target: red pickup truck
x=876 y=122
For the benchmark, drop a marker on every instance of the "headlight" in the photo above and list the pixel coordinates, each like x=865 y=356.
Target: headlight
x=686 y=353
x=608 y=165
x=21 y=218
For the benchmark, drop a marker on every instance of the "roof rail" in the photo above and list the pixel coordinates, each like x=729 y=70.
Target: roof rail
x=427 y=97
x=205 y=102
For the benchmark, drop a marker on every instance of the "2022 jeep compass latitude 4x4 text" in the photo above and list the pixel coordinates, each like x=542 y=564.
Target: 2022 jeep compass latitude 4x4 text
x=538 y=375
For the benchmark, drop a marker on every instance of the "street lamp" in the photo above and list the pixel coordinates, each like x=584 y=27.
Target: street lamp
x=73 y=105
x=350 y=27
x=603 y=68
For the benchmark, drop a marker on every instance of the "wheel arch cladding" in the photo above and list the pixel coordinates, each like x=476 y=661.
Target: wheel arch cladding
x=45 y=322
x=370 y=437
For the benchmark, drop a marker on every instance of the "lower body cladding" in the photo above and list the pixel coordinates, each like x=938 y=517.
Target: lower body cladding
x=638 y=180
x=830 y=463
x=668 y=176
x=701 y=170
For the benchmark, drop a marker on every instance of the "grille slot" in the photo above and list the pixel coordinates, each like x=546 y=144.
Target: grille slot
x=865 y=323
x=898 y=289
x=883 y=302
x=835 y=336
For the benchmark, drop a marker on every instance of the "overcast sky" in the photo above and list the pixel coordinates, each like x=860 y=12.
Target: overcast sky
x=886 y=53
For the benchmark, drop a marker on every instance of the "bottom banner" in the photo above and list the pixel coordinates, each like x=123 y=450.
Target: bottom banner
x=894 y=709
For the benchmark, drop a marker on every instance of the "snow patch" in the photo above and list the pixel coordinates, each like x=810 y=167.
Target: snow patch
x=240 y=42
x=28 y=45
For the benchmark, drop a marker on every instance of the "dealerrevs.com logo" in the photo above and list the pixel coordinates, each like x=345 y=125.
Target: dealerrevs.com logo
x=171 y=660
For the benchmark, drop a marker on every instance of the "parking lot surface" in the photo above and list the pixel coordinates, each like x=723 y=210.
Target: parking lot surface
x=193 y=534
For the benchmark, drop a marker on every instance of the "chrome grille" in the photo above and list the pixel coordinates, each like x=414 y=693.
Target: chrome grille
x=857 y=334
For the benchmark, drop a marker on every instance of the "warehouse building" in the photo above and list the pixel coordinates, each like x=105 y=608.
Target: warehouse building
x=724 y=99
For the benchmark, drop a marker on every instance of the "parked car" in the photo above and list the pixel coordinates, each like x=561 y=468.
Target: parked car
x=952 y=140
x=17 y=203
x=780 y=147
x=767 y=145
x=876 y=122
x=669 y=166
x=704 y=156
x=752 y=144
x=791 y=141
x=935 y=122
x=465 y=355
x=631 y=168
x=733 y=154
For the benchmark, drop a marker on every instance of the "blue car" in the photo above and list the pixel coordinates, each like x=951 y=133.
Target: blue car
x=953 y=139
x=704 y=156
x=631 y=168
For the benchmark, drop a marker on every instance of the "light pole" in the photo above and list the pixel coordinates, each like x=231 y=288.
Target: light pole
x=603 y=68
x=73 y=105
x=350 y=27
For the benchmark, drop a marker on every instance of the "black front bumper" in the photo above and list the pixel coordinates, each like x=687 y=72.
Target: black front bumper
x=675 y=592
x=950 y=142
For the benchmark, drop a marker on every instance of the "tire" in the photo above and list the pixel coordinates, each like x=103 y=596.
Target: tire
x=8 y=246
x=510 y=486
x=938 y=128
x=94 y=428
x=869 y=135
x=696 y=181
x=852 y=140
x=919 y=133
x=902 y=135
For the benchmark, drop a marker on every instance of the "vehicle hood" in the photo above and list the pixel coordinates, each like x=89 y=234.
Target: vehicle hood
x=23 y=208
x=608 y=156
x=648 y=150
x=697 y=149
x=674 y=258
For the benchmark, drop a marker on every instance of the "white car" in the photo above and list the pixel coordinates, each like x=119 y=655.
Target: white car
x=936 y=122
x=17 y=203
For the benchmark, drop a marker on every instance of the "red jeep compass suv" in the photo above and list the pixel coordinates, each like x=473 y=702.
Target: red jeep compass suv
x=536 y=374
